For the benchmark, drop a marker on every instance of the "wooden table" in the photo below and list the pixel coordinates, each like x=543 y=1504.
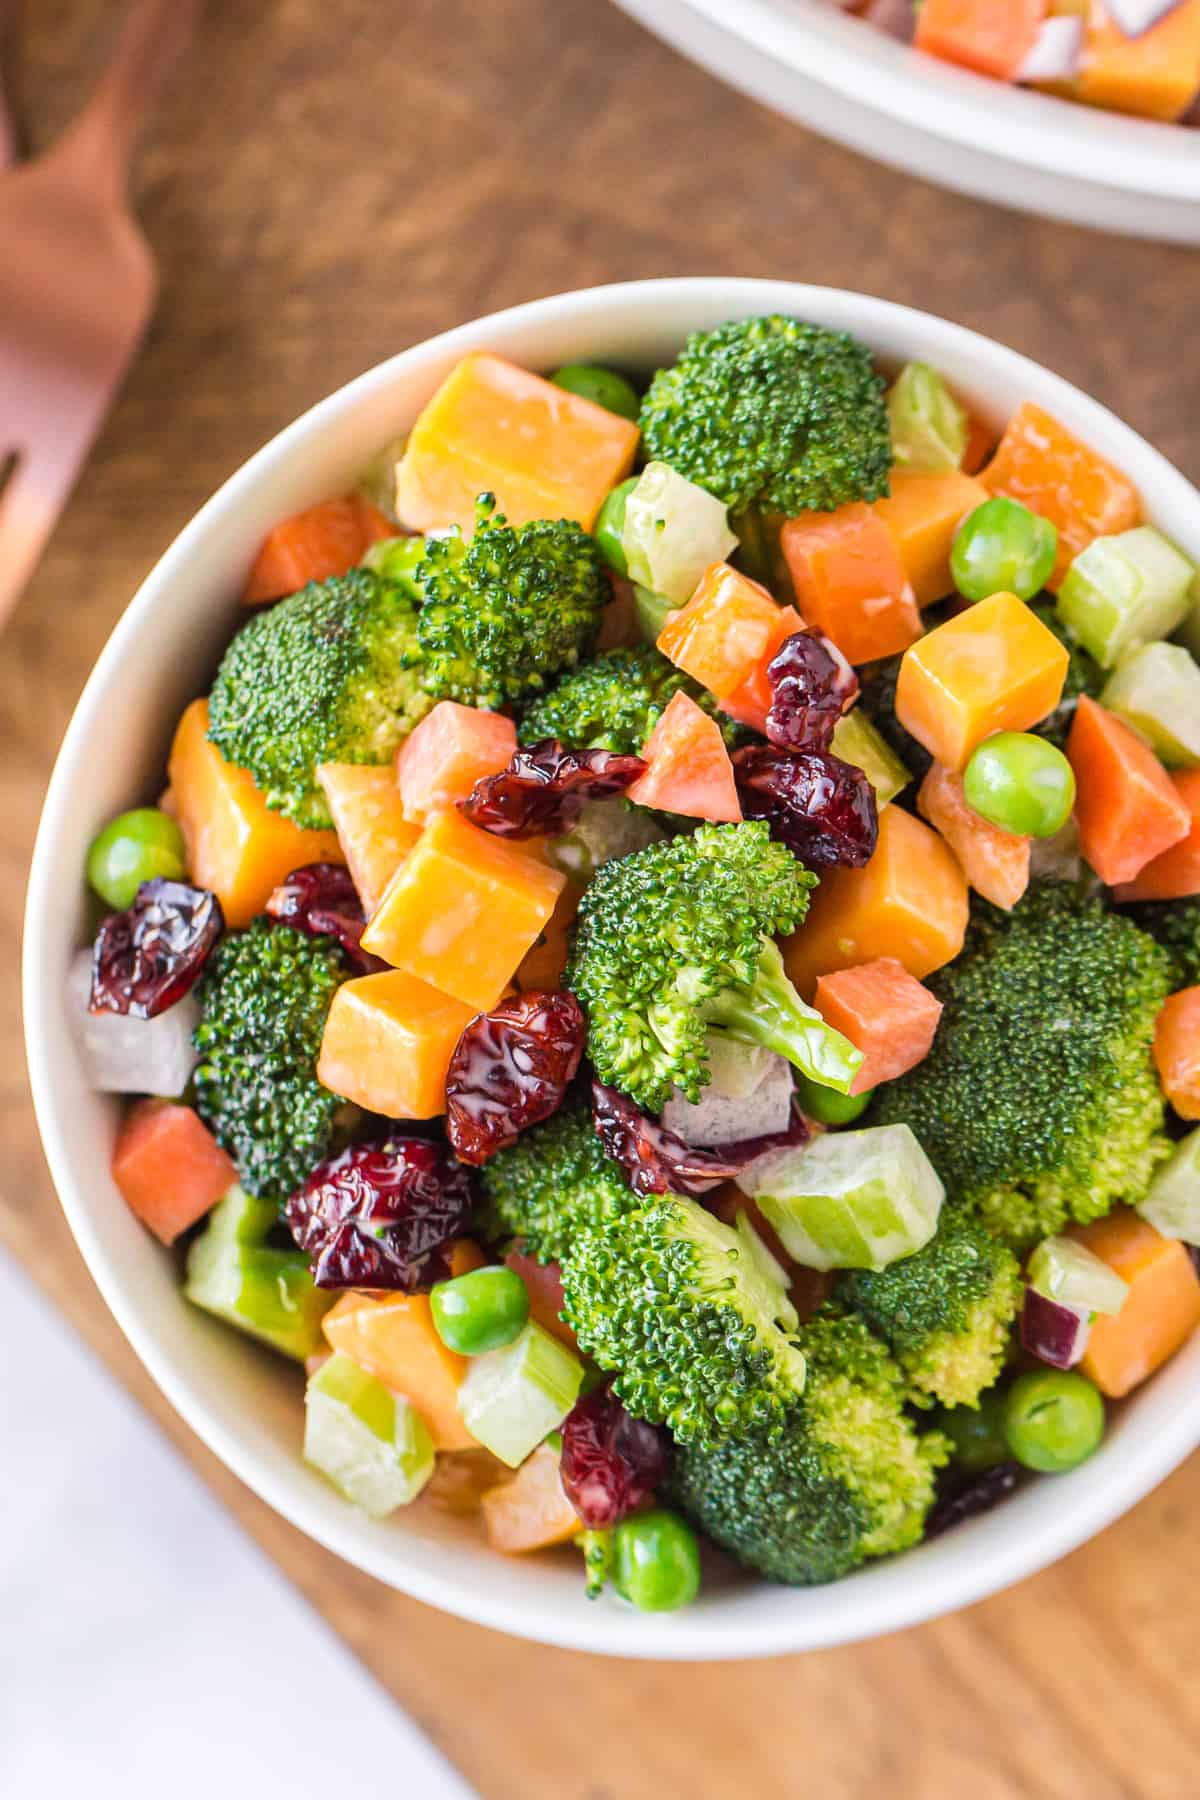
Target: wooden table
x=329 y=181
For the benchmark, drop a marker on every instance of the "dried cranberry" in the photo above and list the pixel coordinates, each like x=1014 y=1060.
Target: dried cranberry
x=321 y=899
x=150 y=956
x=611 y=1462
x=819 y=806
x=511 y=1068
x=380 y=1215
x=979 y=1495
x=812 y=685
x=657 y=1161
x=542 y=791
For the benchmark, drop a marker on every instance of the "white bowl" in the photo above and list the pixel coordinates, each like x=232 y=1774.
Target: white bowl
x=245 y=1404
x=843 y=78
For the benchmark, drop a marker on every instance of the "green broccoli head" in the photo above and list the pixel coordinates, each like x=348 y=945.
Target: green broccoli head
x=1175 y=924
x=945 y=1313
x=772 y=414
x=553 y=1182
x=322 y=677
x=691 y=1314
x=1084 y=676
x=1039 y=1101
x=614 y=702
x=264 y=998
x=676 y=940
x=847 y=1478
x=509 y=609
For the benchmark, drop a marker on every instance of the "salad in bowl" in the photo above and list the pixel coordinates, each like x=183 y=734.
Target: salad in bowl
x=662 y=976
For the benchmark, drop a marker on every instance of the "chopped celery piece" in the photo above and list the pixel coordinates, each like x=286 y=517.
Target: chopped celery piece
x=929 y=426
x=851 y=1199
x=1189 y=631
x=673 y=531
x=1157 y=689
x=1173 y=1204
x=511 y=1398
x=378 y=480
x=1073 y=1275
x=372 y=1444
x=650 y=610
x=856 y=740
x=604 y=829
x=1124 y=591
x=268 y=1293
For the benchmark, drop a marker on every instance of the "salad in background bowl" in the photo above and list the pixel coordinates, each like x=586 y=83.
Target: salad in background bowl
x=619 y=980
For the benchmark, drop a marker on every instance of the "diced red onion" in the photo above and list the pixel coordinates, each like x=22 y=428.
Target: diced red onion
x=897 y=18
x=1054 y=1333
x=1058 y=46
x=1135 y=17
x=126 y=1055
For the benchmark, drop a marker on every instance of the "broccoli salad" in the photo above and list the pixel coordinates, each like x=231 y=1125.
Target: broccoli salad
x=666 y=971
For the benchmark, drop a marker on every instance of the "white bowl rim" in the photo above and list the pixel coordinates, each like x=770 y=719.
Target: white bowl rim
x=844 y=1612
x=1018 y=126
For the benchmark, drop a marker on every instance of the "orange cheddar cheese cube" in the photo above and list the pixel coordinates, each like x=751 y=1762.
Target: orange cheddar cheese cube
x=462 y=910
x=169 y=1168
x=923 y=514
x=388 y=1042
x=994 y=667
x=1160 y=1311
x=750 y=701
x=885 y=1012
x=530 y=1512
x=544 y=966
x=1046 y=467
x=236 y=845
x=688 y=770
x=993 y=37
x=996 y=863
x=909 y=902
x=365 y=806
x=1155 y=75
x=1127 y=808
x=495 y=428
x=1173 y=874
x=325 y=540
x=850 y=583
x=723 y=633
x=396 y=1340
x=448 y=752
x=1177 y=1051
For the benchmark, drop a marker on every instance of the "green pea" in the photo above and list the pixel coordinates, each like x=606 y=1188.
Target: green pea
x=656 y=1561
x=1003 y=548
x=480 y=1311
x=135 y=847
x=1021 y=783
x=603 y=387
x=610 y=526
x=976 y=1432
x=826 y=1105
x=1053 y=1419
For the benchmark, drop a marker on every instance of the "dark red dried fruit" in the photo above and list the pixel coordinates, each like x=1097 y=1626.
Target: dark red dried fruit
x=979 y=1495
x=812 y=685
x=542 y=791
x=819 y=806
x=657 y=1161
x=611 y=1462
x=151 y=955
x=322 y=900
x=380 y=1215
x=510 y=1069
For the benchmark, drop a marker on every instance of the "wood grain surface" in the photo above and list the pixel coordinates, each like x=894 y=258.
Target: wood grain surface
x=328 y=181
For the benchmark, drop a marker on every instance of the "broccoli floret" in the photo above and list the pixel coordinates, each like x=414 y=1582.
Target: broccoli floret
x=848 y=1478
x=1039 y=1101
x=614 y=703
x=1175 y=924
x=321 y=677
x=264 y=999
x=946 y=1312
x=509 y=609
x=554 y=1182
x=1084 y=676
x=677 y=939
x=691 y=1314
x=775 y=417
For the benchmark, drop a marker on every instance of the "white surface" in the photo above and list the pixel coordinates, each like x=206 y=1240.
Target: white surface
x=149 y=1649
x=246 y=1404
x=855 y=84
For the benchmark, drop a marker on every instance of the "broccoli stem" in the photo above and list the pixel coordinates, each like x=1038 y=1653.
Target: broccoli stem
x=770 y=1012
